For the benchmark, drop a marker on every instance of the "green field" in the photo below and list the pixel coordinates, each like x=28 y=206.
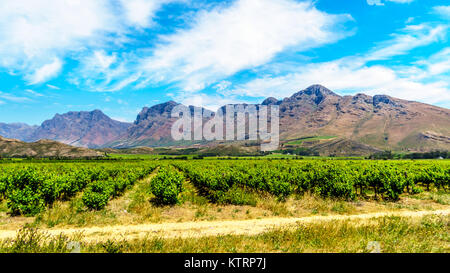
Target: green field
x=140 y=189
x=30 y=188
x=301 y=140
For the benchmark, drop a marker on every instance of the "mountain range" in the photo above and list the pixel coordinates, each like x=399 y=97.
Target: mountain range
x=17 y=130
x=313 y=117
x=44 y=148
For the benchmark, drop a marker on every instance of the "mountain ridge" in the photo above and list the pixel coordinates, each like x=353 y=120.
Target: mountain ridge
x=43 y=148
x=89 y=129
x=380 y=121
x=16 y=130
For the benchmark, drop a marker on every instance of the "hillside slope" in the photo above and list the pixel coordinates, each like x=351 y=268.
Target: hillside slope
x=42 y=149
x=153 y=127
x=379 y=121
x=17 y=130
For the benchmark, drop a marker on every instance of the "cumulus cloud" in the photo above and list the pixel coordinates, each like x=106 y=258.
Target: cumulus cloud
x=35 y=33
x=140 y=13
x=246 y=34
x=221 y=40
x=35 y=38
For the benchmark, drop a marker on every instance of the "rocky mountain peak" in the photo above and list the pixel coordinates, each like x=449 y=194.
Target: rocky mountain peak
x=270 y=101
x=378 y=99
x=315 y=93
x=84 y=128
x=317 y=90
x=162 y=109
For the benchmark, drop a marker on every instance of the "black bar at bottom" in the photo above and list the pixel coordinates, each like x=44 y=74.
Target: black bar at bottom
x=128 y=263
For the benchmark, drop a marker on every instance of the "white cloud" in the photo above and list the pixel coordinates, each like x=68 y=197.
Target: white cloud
x=2 y=102
x=246 y=34
x=444 y=11
x=121 y=119
x=100 y=71
x=35 y=33
x=209 y=101
x=13 y=98
x=409 y=20
x=413 y=36
x=437 y=64
x=34 y=93
x=46 y=72
x=100 y=60
x=140 y=13
x=53 y=87
x=381 y=2
x=340 y=76
x=100 y=66
x=353 y=74
x=223 y=85
x=401 y=1
x=375 y=2
x=123 y=83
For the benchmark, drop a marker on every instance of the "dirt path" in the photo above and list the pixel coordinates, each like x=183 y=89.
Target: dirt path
x=211 y=228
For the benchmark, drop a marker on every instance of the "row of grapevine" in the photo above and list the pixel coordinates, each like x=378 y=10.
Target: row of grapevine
x=341 y=179
x=167 y=185
x=98 y=193
x=30 y=188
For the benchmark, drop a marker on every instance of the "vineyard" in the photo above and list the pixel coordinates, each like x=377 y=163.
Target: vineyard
x=339 y=179
x=30 y=188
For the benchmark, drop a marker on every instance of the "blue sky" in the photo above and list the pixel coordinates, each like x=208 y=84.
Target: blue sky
x=121 y=55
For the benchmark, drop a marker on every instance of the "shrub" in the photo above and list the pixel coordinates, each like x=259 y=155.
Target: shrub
x=97 y=195
x=167 y=185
